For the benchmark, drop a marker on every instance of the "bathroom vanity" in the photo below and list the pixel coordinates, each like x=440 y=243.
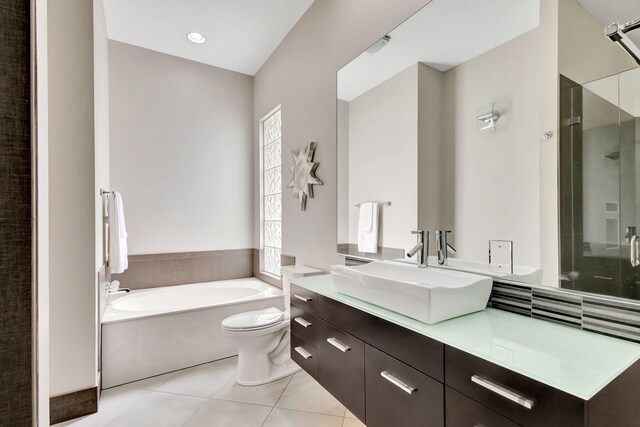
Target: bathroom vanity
x=491 y=368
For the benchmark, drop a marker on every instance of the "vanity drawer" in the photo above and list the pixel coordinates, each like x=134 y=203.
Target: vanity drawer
x=341 y=367
x=423 y=353
x=304 y=299
x=464 y=412
x=398 y=395
x=305 y=355
x=522 y=399
x=304 y=325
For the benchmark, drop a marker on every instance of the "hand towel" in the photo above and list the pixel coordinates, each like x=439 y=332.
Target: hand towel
x=368 y=227
x=118 y=253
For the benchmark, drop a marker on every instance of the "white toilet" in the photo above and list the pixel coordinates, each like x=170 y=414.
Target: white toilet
x=262 y=337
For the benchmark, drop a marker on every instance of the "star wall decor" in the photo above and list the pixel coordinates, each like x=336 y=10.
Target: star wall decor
x=303 y=174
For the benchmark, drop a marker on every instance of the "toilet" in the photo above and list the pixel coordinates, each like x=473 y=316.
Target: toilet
x=262 y=337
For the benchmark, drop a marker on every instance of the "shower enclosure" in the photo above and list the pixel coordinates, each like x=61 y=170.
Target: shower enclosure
x=599 y=188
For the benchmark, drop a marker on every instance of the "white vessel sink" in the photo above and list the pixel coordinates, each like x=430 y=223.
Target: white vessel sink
x=429 y=295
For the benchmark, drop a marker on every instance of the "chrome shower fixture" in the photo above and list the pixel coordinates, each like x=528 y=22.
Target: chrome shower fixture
x=618 y=34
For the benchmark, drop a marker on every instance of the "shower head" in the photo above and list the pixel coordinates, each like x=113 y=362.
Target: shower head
x=614 y=155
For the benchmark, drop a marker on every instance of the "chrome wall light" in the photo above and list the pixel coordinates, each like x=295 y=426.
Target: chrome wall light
x=486 y=118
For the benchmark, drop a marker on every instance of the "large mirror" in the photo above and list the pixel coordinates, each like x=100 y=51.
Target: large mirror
x=459 y=119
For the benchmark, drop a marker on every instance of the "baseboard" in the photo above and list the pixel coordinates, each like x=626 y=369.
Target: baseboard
x=73 y=405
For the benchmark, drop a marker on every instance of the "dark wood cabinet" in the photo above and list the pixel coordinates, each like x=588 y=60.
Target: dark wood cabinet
x=522 y=399
x=341 y=367
x=464 y=412
x=399 y=395
x=305 y=355
x=388 y=375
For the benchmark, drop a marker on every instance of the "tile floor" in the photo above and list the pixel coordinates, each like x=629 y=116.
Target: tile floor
x=207 y=396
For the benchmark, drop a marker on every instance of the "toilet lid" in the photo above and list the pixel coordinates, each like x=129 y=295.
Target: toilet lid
x=254 y=319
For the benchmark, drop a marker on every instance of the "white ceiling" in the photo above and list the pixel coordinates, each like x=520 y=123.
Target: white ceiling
x=620 y=11
x=241 y=34
x=443 y=34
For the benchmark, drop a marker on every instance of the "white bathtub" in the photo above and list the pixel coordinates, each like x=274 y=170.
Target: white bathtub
x=153 y=331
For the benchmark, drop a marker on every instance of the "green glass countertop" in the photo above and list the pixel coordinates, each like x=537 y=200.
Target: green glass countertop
x=577 y=362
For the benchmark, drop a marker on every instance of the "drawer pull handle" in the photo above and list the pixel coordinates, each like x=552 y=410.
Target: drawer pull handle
x=337 y=344
x=302 y=352
x=506 y=393
x=302 y=322
x=301 y=298
x=396 y=382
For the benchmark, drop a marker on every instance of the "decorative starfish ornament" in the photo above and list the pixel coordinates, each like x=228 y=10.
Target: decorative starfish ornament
x=303 y=174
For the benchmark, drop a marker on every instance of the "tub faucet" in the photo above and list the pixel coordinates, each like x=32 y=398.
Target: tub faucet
x=113 y=287
x=421 y=250
x=443 y=246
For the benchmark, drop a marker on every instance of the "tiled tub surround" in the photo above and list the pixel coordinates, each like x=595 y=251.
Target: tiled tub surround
x=553 y=374
x=608 y=316
x=154 y=331
x=155 y=270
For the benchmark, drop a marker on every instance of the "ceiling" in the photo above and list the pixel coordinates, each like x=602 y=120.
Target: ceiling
x=241 y=34
x=620 y=11
x=443 y=34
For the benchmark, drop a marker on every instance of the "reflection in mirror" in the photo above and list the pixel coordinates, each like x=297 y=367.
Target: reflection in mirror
x=598 y=171
x=453 y=117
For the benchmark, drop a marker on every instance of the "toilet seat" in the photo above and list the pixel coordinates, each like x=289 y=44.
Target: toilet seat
x=253 y=320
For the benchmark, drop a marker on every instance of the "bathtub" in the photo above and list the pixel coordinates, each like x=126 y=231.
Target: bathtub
x=153 y=331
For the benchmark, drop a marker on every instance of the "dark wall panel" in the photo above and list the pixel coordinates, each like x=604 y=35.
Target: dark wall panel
x=15 y=216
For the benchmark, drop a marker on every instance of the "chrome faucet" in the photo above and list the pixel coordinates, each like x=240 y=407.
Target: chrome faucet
x=113 y=287
x=443 y=247
x=421 y=250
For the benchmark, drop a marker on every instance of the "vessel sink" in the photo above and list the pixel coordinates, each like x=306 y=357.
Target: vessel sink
x=429 y=295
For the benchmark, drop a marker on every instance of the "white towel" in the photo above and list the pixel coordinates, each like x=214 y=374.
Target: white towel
x=118 y=260
x=368 y=227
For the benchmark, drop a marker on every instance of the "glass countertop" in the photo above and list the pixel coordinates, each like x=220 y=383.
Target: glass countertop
x=577 y=362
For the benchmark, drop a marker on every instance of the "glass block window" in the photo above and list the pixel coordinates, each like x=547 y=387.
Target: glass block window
x=272 y=191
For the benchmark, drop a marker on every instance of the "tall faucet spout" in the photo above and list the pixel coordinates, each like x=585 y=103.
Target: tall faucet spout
x=415 y=250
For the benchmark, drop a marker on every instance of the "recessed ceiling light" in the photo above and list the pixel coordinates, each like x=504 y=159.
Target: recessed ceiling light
x=195 y=37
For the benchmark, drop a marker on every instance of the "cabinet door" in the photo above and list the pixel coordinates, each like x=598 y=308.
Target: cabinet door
x=464 y=412
x=305 y=355
x=341 y=367
x=398 y=395
x=519 y=398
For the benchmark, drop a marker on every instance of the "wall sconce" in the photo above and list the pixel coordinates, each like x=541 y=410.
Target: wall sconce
x=486 y=118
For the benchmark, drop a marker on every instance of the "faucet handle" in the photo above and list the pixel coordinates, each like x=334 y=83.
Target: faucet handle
x=418 y=232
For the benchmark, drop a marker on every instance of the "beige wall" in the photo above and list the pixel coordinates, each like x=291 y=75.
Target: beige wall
x=585 y=54
x=301 y=76
x=383 y=164
x=181 y=152
x=72 y=276
x=496 y=186
x=435 y=170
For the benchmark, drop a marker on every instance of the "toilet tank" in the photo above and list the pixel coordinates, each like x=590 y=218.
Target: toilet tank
x=290 y=272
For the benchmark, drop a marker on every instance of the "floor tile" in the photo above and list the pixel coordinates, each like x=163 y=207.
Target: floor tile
x=266 y=394
x=151 y=383
x=160 y=410
x=352 y=422
x=305 y=394
x=113 y=402
x=220 y=413
x=203 y=380
x=348 y=414
x=287 y=418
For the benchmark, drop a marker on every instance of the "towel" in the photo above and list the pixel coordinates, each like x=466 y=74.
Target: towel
x=118 y=260
x=368 y=227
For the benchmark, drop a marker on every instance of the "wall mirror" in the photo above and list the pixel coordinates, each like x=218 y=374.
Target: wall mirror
x=461 y=118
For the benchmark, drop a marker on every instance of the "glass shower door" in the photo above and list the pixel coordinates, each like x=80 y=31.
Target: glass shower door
x=599 y=190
